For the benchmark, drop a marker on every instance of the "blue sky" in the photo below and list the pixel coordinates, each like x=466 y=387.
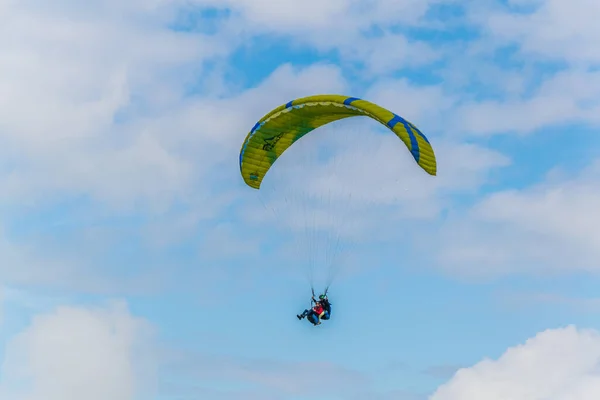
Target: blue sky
x=135 y=263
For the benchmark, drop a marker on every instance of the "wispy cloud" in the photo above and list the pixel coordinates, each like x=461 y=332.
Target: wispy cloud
x=546 y=228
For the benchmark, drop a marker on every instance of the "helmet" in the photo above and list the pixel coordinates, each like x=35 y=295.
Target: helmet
x=322 y=296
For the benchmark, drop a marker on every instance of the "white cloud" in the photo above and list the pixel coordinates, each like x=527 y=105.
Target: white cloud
x=567 y=97
x=558 y=364
x=534 y=66
x=555 y=29
x=551 y=227
x=347 y=17
x=341 y=25
x=65 y=83
x=388 y=53
x=76 y=353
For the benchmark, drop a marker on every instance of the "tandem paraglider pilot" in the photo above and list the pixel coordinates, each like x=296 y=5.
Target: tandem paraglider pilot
x=320 y=311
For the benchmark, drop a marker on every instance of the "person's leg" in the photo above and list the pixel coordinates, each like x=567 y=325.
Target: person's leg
x=321 y=316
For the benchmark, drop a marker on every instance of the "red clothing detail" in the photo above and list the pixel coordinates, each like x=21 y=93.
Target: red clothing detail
x=318 y=309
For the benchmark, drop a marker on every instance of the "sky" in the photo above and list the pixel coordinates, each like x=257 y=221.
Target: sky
x=136 y=264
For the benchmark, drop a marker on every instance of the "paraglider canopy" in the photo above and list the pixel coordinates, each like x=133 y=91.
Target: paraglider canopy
x=286 y=124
